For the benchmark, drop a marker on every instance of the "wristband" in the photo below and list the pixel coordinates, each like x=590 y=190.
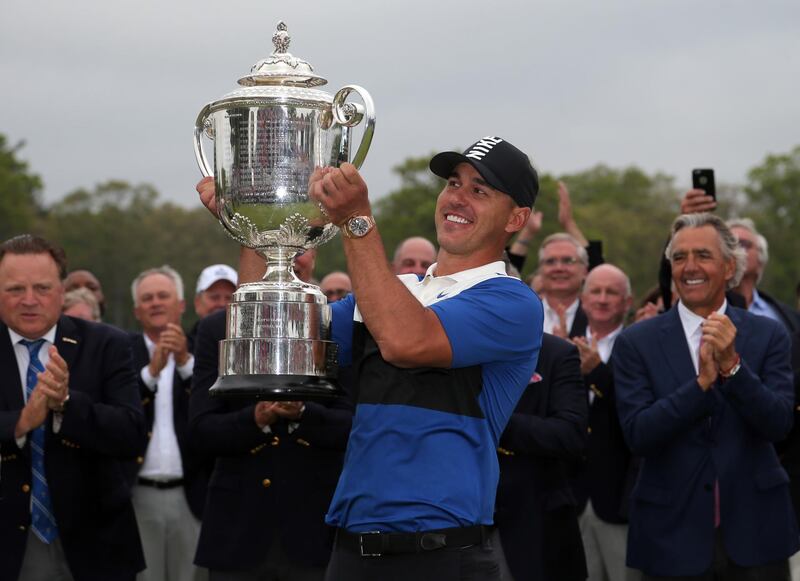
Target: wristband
x=732 y=371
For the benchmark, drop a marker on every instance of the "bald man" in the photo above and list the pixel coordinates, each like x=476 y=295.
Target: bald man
x=605 y=480
x=336 y=285
x=413 y=256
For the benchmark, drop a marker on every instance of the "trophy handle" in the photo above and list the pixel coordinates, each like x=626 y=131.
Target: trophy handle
x=203 y=125
x=351 y=114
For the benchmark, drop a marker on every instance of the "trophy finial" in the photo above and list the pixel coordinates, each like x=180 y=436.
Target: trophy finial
x=281 y=38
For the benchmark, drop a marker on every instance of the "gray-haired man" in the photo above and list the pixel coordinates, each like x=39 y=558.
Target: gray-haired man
x=170 y=489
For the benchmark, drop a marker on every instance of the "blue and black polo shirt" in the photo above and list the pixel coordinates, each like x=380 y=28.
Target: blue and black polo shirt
x=422 y=450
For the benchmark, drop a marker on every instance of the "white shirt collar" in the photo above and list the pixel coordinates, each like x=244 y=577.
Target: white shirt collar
x=493 y=268
x=50 y=336
x=552 y=320
x=151 y=347
x=149 y=344
x=692 y=323
x=432 y=289
x=571 y=310
x=605 y=344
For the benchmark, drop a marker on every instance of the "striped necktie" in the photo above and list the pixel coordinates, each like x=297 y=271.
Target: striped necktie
x=43 y=523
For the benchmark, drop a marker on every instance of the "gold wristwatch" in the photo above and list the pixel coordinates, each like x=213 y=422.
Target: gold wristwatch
x=358 y=226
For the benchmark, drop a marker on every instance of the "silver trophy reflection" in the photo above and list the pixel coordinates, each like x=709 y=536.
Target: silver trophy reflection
x=269 y=136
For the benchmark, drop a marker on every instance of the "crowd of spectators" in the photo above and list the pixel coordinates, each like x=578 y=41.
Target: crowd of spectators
x=630 y=455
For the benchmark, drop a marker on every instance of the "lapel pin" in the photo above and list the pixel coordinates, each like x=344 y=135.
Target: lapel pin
x=68 y=340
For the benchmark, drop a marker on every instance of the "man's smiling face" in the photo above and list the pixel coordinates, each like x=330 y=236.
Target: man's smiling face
x=700 y=271
x=471 y=215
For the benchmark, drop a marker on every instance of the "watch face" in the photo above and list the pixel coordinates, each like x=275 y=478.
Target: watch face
x=358 y=226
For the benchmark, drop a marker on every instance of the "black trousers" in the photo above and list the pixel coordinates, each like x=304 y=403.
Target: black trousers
x=473 y=563
x=275 y=566
x=723 y=569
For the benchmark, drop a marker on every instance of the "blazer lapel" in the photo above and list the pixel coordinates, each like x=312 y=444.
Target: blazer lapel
x=11 y=390
x=67 y=340
x=742 y=328
x=742 y=332
x=674 y=346
x=580 y=323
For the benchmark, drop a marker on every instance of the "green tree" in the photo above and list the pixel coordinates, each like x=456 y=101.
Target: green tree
x=406 y=211
x=773 y=191
x=20 y=190
x=628 y=210
x=409 y=210
x=117 y=230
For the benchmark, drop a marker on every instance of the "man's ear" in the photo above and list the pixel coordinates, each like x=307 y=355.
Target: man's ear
x=517 y=219
x=730 y=269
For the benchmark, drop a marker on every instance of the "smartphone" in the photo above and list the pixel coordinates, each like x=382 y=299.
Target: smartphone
x=703 y=179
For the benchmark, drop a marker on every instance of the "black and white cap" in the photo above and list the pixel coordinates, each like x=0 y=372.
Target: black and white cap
x=503 y=166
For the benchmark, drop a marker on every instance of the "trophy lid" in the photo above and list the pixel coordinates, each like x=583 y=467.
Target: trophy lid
x=281 y=68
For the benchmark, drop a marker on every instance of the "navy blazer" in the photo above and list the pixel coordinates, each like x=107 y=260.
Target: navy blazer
x=609 y=470
x=196 y=465
x=535 y=509
x=103 y=425
x=263 y=485
x=689 y=439
x=789 y=448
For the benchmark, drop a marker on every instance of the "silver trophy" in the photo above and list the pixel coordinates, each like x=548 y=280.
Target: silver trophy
x=269 y=136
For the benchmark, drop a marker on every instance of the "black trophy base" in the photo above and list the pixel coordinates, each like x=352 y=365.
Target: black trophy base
x=276 y=387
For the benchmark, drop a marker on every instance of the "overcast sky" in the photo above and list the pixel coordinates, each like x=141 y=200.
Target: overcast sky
x=102 y=90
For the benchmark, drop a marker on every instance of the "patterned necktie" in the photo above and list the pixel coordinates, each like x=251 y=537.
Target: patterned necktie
x=43 y=523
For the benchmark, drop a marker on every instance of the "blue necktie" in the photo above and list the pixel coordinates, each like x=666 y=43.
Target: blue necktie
x=43 y=523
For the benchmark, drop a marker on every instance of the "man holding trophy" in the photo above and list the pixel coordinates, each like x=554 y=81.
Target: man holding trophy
x=441 y=361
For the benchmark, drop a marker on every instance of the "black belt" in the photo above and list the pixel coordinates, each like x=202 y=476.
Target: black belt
x=160 y=484
x=376 y=544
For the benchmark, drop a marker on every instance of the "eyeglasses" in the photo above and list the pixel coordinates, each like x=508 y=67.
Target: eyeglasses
x=563 y=261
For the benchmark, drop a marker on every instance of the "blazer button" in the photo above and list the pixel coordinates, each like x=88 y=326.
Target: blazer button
x=140 y=459
x=275 y=441
x=22 y=527
x=589 y=429
x=149 y=435
x=26 y=488
x=266 y=483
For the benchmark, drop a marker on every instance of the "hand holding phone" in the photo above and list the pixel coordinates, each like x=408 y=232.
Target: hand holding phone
x=702 y=197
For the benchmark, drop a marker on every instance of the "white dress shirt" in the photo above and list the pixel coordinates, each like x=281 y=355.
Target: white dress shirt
x=606 y=344
x=693 y=329
x=551 y=319
x=163 y=458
